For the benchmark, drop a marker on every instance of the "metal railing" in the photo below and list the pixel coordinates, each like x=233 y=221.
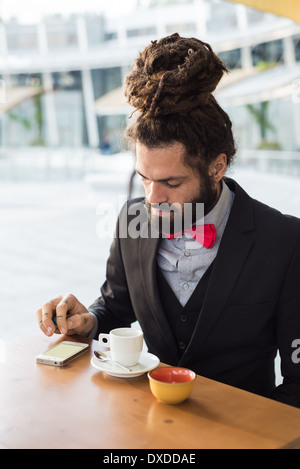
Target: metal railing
x=271 y=161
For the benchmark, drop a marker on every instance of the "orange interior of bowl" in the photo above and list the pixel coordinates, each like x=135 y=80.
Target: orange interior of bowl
x=172 y=375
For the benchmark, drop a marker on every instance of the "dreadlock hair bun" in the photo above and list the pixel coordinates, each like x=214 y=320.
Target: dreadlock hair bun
x=170 y=85
x=173 y=75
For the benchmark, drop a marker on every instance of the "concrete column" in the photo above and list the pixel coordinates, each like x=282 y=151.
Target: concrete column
x=121 y=32
x=246 y=57
x=242 y=22
x=87 y=87
x=289 y=51
x=52 y=134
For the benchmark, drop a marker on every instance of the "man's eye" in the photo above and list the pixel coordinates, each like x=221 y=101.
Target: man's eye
x=172 y=186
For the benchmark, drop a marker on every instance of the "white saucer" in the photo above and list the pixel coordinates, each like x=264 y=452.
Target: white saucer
x=147 y=362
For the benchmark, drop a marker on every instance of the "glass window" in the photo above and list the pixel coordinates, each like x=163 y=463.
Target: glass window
x=61 y=34
x=231 y=58
x=141 y=31
x=110 y=36
x=67 y=80
x=69 y=117
x=105 y=80
x=222 y=16
x=268 y=52
x=181 y=28
x=24 y=124
x=255 y=16
x=111 y=130
x=95 y=30
x=297 y=47
x=21 y=37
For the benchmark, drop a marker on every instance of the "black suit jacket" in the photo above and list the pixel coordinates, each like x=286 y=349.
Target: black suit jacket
x=251 y=308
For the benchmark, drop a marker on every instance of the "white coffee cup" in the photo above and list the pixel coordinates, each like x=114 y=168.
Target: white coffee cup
x=125 y=345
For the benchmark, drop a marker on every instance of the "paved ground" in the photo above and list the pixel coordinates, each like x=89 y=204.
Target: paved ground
x=49 y=242
x=48 y=246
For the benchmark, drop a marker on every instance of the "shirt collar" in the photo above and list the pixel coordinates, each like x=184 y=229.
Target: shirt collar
x=217 y=213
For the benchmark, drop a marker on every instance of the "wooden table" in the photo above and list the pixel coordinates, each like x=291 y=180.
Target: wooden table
x=77 y=406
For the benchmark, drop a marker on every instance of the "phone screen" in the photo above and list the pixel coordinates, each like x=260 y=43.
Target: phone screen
x=63 y=351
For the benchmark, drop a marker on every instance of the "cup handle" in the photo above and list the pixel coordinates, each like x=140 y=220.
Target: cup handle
x=104 y=340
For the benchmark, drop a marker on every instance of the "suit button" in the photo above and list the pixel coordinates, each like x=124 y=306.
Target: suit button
x=182 y=346
x=183 y=317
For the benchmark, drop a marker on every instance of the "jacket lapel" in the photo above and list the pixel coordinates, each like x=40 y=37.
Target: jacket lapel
x=232 y=254
x=147 y=254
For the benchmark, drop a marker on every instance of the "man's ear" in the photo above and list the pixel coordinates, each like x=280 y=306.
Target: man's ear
x=217 y=168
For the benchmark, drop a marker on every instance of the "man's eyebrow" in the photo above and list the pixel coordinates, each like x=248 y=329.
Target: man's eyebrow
x=171 y=178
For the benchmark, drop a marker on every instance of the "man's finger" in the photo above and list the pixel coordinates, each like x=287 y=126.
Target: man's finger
x=80 y=323
x=64 y=308
x=40 y=321
x=47 y=313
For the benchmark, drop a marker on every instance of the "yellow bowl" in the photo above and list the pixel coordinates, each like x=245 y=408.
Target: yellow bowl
x=171 y=385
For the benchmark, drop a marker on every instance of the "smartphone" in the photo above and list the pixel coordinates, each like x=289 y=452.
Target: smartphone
x=61 y=353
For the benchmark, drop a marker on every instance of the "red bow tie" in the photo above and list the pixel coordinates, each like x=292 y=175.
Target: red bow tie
x=204 y=234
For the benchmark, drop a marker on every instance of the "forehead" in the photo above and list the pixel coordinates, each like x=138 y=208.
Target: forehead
x=162 y=160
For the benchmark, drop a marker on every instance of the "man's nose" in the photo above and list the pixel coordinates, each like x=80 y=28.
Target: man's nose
x=156 y=194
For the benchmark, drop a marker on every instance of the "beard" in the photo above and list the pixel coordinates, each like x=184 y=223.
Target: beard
x=174 y=217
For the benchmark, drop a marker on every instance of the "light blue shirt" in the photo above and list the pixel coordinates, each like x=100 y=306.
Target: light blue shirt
x=183 y=260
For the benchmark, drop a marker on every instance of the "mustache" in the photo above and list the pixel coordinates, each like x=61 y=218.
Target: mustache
x=174 y=217
x=164 y=221
x=165 y=207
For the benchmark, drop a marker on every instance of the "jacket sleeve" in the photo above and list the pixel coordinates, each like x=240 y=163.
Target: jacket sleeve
x=288 y=334
x=113 y=308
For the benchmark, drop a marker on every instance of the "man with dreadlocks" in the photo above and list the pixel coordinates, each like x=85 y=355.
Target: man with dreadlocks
x=223 y=296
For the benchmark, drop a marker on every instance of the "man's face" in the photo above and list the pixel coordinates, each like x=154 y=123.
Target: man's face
x=168 y=180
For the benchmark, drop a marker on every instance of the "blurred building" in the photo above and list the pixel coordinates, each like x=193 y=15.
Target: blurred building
x=63 y=77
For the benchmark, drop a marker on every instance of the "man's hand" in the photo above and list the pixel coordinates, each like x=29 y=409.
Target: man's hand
x=71 y=317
